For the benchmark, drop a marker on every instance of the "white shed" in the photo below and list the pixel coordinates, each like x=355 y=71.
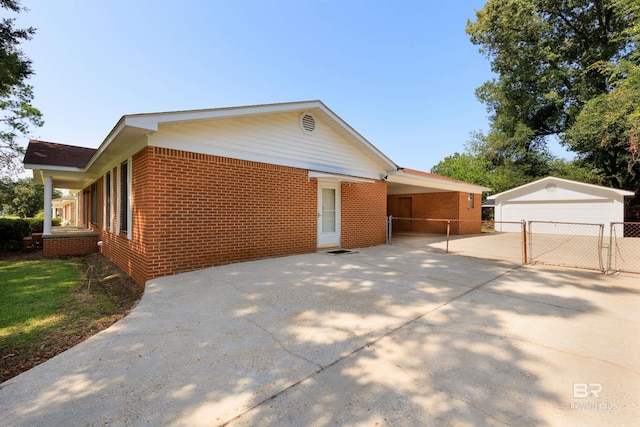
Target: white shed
x=560 y=200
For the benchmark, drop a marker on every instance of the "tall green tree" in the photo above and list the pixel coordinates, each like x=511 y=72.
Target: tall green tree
x=22 y=197
x=551 y=57
x=16 y=95
x=607 y=131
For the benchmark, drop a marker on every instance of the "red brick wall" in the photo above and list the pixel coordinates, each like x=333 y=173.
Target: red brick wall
x=363 y=214
x=130 y=255
x=64 y=246
x=472 y=217
x=444 y=205
x=206 y=210
x=193 y=210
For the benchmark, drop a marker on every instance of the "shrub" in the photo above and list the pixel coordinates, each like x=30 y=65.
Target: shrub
x=36 y=225
x=12 y=233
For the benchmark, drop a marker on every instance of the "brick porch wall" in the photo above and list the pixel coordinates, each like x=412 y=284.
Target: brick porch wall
x=363 y=213
x=55 y=246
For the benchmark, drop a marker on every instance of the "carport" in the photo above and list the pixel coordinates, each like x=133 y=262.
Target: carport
x=420 y=201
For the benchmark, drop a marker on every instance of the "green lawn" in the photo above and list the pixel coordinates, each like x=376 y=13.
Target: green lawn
x=46 y=308
x=32 y=295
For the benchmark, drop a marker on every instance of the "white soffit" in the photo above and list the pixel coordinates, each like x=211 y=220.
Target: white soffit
x=434 y=183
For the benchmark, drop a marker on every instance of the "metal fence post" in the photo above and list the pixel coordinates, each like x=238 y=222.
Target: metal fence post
x=601 y=243
x=530 y=243
x=524 y=242
x=612 y=230
x=389 y=225
x=448 y=229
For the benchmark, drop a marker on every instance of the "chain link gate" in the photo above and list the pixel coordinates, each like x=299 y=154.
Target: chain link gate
x=566 y=244
x=624 y=252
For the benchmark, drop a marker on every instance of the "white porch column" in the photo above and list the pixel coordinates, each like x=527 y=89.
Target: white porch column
x=48 y=194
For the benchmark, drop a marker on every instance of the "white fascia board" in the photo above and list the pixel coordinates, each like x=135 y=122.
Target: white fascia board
x=152 y=120
x=112 y=135
x=549 y=179
x=53 y=168
x=338 y=177
x=440 y=184
x=388 y=162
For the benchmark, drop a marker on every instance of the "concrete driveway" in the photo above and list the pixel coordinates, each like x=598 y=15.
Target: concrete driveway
x=386 y=336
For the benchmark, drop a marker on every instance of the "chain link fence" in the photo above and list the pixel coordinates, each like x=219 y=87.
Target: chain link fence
x=566 y=244
x=503 y=241
x=562 y=244
x=624 y=254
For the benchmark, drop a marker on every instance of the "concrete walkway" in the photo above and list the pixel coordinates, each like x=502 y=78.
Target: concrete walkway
x=386 y=336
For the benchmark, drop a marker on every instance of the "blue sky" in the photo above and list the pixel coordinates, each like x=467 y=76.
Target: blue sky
x=402 y=73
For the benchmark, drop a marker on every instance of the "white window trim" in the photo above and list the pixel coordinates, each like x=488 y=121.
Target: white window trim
x=129 y=200
x=111 y=204
x=107 y=224
x=118 y=197
x=104 y=202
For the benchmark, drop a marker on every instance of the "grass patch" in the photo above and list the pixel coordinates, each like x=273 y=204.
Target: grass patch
x=46 y=308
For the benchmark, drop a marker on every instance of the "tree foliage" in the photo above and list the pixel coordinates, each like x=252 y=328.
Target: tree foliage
x=549 y=56
x=607 y=131
x=15 y=95
x=22 y=197
x=565 y=69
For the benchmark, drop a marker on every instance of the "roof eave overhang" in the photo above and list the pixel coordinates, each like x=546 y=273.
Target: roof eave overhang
x=69 y=178
x=129 y=135
x=434 y=183
x=151 y=122
x=523 y=188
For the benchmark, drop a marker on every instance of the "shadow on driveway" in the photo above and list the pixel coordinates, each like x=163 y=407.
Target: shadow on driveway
x=391 y=335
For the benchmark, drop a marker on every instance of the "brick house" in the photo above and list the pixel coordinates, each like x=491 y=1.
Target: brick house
x=178 y=191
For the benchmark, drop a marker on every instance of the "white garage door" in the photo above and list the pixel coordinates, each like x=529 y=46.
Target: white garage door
x=587 y=212
x=570 y=212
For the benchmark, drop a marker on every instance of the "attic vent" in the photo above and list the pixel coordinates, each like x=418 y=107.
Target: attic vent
x=308 y=123
x=551 y=188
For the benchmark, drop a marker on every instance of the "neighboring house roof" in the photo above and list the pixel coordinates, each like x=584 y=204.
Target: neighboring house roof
x=66 y=200
x=548 y=183
x=53 y=154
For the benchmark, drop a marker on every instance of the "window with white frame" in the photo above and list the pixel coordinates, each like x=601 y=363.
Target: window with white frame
x=124 y=215
x=94 y=203
x=108 y=203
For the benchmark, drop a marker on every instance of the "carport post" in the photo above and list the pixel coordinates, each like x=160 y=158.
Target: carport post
x=524 y=242
x=389 y=225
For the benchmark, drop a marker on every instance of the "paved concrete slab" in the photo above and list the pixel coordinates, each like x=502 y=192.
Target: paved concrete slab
x=391 y=335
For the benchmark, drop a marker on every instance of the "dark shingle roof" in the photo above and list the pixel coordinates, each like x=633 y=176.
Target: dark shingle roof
x=52 y=154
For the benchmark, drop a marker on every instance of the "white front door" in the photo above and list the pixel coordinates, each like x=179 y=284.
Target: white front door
x=328 y=214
